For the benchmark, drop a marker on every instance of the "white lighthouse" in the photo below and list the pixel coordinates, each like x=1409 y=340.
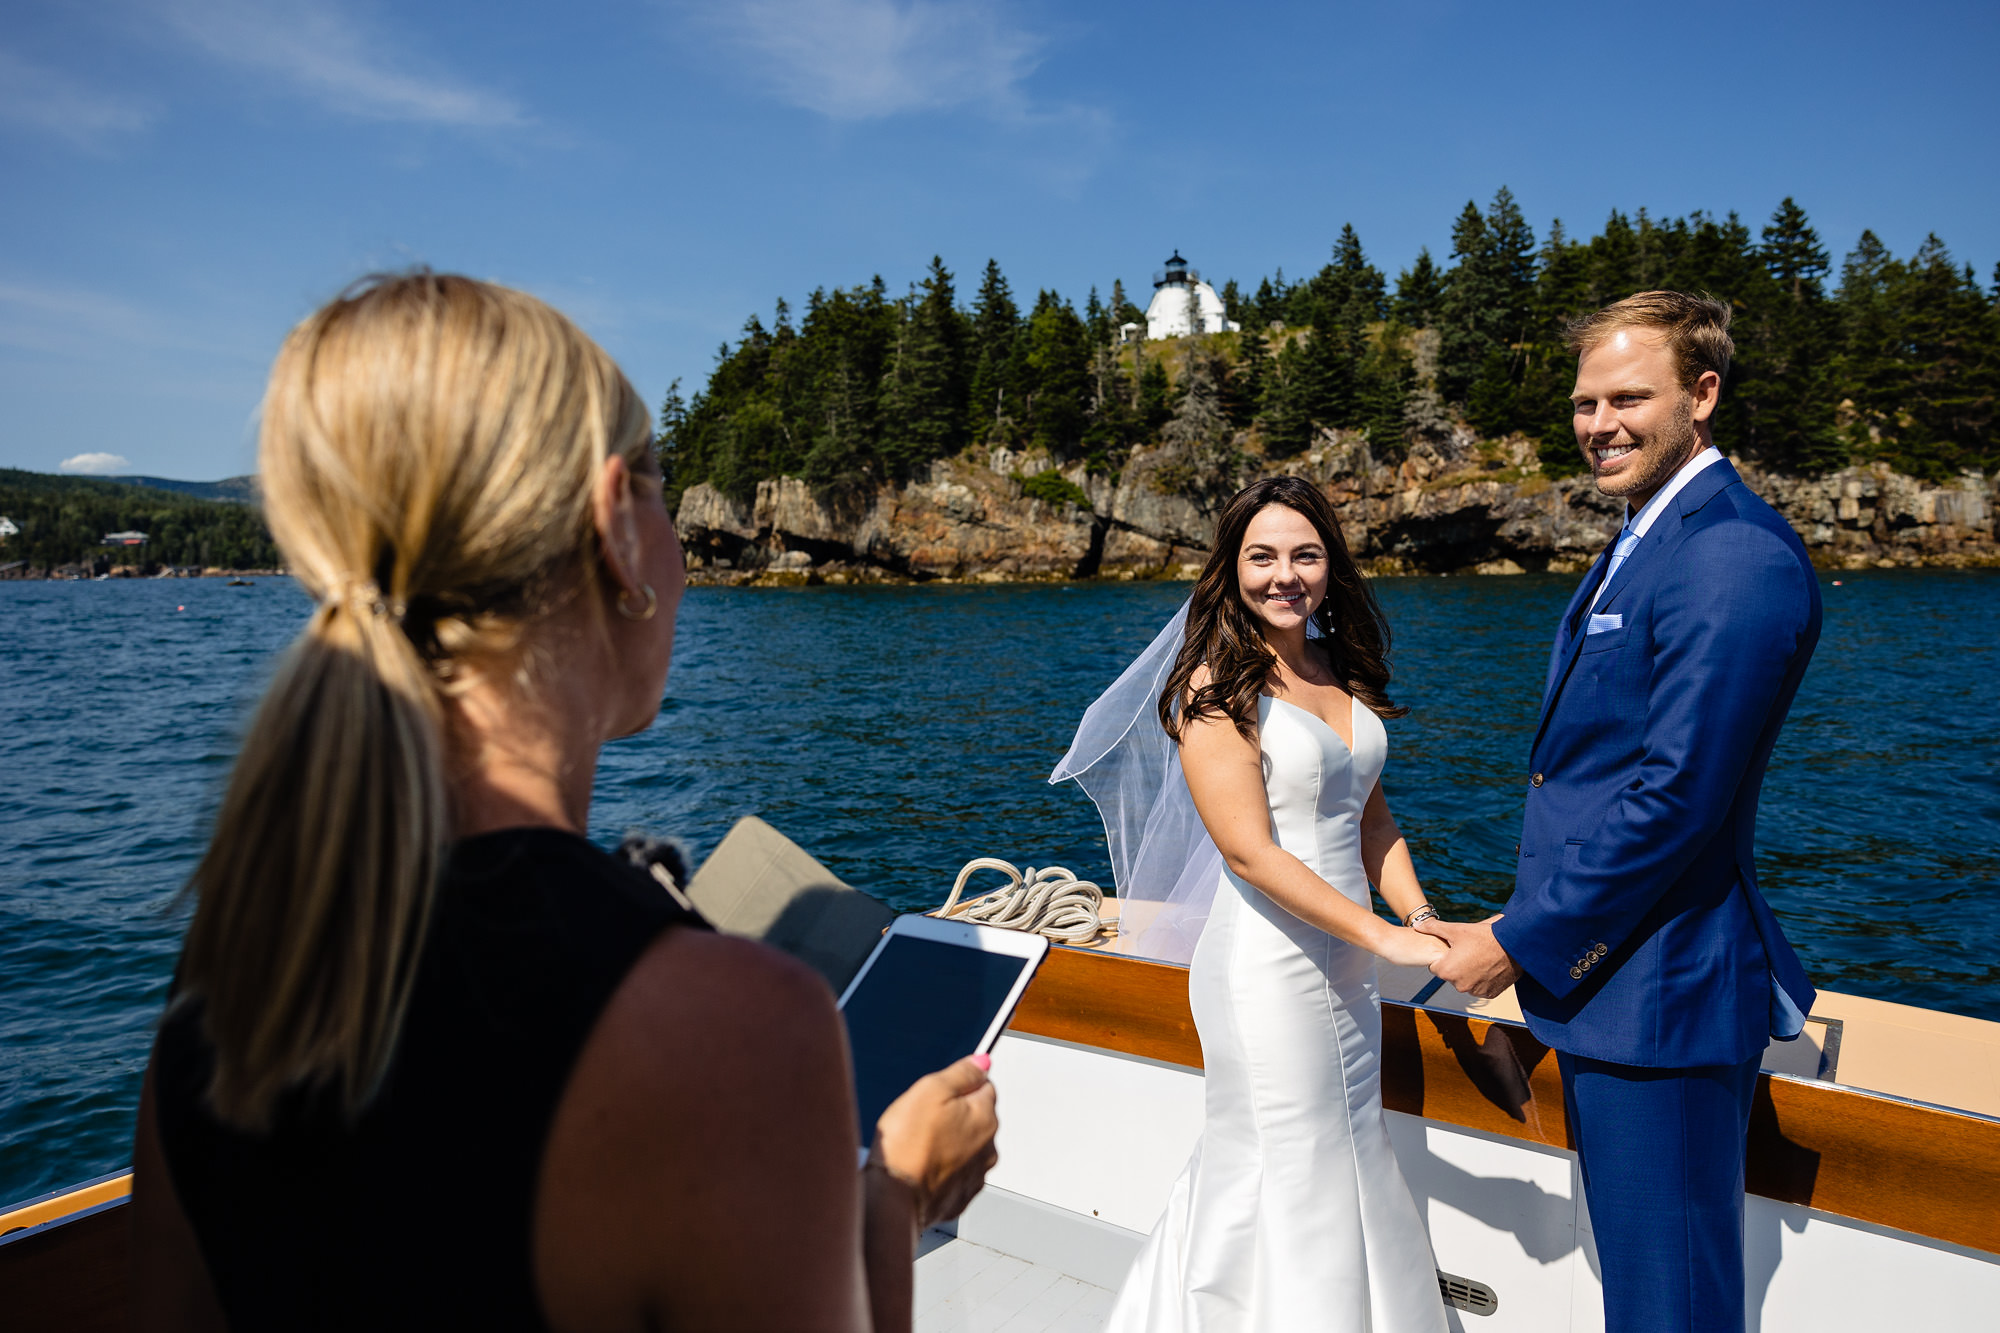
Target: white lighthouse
x=1184 y=304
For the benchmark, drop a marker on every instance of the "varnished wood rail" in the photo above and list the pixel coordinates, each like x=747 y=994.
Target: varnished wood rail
x=1927 y=1170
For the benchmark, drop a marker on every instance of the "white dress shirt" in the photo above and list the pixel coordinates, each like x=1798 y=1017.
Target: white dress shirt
x=1641 y=523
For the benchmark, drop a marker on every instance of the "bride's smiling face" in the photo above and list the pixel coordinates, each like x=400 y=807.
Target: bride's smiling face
x=1281 y=570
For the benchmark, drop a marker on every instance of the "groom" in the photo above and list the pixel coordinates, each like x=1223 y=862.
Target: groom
x=1642 y=950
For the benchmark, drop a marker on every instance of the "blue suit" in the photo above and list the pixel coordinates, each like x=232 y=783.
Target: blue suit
x=1651 y=962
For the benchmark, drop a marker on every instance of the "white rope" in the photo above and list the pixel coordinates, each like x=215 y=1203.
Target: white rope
x=1051 y=901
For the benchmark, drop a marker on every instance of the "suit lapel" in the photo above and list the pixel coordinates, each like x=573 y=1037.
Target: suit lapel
x=1566 y=635
x=1704 y=487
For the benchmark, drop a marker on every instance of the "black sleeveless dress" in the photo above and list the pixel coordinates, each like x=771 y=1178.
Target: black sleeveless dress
x=421 y=1214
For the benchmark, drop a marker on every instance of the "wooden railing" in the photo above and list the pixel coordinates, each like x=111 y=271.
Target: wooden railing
x=1927 y=1170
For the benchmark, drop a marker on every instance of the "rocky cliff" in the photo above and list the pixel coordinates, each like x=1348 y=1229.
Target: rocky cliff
x=1454 y=505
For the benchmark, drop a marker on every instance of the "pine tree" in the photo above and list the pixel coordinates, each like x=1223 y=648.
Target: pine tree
x=1268 y=304
x=1462 y=310
x=1287 y=418
x=845 y=339
x=1783 y=352
x=1232 y=303
x=1155 y=396
x=924 y=385
x=1113 y=426
x=1562 y=281
x=1243 y=395
x=1419 y=290
x=1614 y=262
x=668 y=441
x=1123 y=309
x=995 y=323
x=1950 y=382
x=1869 y=364
x=1487 y=308
x=1054 y=350
x=1388 y=376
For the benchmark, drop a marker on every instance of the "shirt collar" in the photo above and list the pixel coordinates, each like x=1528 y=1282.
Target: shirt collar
x=1642 y=522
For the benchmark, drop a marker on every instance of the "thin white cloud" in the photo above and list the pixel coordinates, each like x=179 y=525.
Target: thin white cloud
x=327 y=54
x=865 y=59
x=95 y=465
x=44 y=100
x=77 y=322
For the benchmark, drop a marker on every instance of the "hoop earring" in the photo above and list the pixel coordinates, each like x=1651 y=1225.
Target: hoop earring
x=652 y=604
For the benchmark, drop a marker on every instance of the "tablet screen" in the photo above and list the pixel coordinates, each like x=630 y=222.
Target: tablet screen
x=920 y=1007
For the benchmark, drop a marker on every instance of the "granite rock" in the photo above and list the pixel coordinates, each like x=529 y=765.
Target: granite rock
x=1452 y=503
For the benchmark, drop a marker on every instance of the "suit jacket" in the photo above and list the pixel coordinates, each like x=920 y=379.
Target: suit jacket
x=1636 y=917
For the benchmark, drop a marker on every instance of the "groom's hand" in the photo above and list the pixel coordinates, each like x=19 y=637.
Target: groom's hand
x=1475 y=963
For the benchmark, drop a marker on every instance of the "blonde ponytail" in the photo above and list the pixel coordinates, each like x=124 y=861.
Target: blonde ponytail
x=427 y=453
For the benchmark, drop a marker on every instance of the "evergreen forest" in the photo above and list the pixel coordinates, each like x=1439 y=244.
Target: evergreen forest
x=1880 y=358
x=63 y=520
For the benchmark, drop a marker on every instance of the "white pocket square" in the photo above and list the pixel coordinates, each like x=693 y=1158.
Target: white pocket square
x=1599 y=624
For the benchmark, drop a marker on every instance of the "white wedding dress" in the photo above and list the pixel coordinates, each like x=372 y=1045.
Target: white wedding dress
x=1292 y=1216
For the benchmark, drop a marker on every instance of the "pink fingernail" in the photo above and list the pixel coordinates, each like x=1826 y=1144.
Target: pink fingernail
x=985 y=1062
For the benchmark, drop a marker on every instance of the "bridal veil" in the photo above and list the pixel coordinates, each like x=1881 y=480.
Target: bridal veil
x=1164 y=866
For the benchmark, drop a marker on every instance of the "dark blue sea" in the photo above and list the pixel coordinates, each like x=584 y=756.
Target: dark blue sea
x=898 y=732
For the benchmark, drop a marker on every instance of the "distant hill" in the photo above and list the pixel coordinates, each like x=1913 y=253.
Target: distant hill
x=62 y=520
x=236 y=490
x=230 y=490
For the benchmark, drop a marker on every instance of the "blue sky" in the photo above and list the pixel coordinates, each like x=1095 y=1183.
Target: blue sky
x=185 y=179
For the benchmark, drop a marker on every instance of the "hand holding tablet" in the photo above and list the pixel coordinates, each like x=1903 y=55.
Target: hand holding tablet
x=937 y=1139
x=931 y=994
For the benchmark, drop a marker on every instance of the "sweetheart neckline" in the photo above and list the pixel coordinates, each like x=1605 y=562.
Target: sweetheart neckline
x=1352 y=725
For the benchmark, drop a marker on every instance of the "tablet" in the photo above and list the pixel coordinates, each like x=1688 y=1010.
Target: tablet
x=933 y=991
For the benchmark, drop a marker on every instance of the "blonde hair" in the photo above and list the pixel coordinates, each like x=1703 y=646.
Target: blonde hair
x=428 y=452
x=1694 y=328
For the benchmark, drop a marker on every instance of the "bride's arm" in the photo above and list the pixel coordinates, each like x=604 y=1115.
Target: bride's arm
x=1225 y=775
x=1386 y=858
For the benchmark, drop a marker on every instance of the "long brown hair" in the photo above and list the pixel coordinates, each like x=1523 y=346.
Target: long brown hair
x=1353 y=637
x=428 y=449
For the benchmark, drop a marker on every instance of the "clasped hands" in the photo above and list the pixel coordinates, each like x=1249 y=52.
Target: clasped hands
x=1473 y=960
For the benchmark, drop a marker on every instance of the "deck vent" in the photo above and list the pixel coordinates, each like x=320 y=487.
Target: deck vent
x=1462 y=1293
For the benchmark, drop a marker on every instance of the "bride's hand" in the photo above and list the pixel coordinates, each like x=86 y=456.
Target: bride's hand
x=1406 y=947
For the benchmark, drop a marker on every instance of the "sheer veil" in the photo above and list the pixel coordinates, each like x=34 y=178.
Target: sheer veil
x=1164 y=865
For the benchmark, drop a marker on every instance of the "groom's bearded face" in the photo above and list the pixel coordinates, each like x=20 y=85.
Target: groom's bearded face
x=1634 y=420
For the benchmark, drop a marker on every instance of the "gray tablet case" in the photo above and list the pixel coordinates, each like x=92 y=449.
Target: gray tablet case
x=760 y=883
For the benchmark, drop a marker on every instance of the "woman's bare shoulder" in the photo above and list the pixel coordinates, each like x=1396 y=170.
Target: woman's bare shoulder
x=693 y=987
x=711 y=1095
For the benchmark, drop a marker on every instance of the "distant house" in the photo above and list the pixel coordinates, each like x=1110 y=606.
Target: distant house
x=7 y=529
x=124 y=539
x=1183 y=304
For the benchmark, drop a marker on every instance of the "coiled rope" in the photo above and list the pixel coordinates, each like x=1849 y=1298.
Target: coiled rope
x=1051 y=901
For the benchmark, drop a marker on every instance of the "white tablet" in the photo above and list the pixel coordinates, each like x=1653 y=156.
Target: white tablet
x=933 y=992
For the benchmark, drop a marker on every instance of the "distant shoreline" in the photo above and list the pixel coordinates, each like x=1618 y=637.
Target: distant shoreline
x=130 y=574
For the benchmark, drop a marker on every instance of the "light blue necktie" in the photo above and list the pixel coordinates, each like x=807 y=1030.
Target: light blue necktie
x=1627 y=539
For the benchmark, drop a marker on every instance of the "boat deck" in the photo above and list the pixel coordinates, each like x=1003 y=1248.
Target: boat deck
x=967 y=1288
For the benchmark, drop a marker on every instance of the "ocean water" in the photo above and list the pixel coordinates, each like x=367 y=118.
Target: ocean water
x=897 y=732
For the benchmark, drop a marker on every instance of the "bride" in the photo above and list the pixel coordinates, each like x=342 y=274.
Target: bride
x=1266 y=692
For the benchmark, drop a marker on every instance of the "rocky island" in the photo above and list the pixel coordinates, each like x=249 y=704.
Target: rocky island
x=1455 y=505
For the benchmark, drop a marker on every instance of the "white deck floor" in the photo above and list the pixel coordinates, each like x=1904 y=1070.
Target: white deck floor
x=967 y=1288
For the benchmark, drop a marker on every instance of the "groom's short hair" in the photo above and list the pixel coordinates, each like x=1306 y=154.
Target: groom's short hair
x=1694 y=328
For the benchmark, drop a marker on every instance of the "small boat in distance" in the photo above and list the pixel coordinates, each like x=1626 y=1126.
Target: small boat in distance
x=1873 y=1180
